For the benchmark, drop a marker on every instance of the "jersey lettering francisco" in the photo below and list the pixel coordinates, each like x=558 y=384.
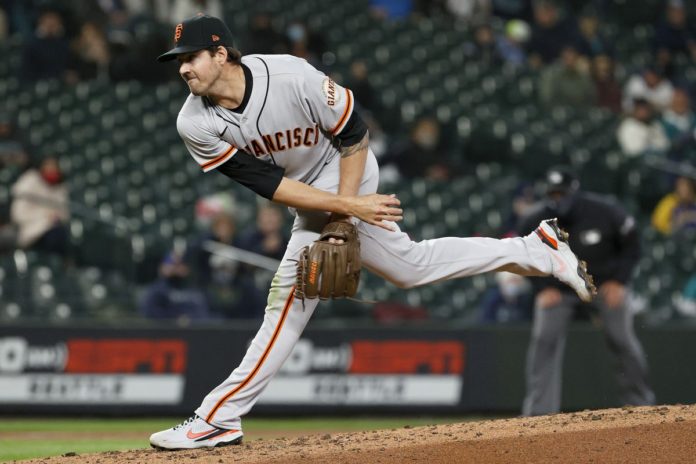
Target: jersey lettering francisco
x=292 y=114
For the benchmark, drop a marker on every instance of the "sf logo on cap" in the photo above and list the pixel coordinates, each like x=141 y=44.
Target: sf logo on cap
x=177 y=32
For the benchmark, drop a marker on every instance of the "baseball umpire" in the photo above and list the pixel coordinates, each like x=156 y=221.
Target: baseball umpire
x=288 y=132
x=605 y=235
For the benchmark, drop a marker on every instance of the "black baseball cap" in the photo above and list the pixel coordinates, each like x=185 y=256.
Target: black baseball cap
x=201 y=31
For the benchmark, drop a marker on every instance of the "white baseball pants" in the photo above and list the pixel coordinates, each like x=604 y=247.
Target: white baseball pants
x=392 y=255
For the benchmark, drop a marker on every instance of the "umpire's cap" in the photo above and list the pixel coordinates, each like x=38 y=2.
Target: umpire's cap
x=561 y=179
x=201 y=31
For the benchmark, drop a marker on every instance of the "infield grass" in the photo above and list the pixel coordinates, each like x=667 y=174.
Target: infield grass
x=31 y=438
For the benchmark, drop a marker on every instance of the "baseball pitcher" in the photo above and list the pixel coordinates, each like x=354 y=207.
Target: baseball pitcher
x=291 y=134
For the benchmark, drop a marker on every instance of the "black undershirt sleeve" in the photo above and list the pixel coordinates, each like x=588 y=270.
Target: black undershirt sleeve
x=353 y=132
x=258 y=176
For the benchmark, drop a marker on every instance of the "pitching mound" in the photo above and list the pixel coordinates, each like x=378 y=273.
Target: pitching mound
x=659 y=434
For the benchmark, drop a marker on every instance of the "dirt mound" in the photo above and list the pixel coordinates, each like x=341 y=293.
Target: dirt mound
x=658 y=434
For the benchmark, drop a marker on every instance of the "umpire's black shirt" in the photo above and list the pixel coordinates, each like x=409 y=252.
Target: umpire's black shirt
x=601 y=233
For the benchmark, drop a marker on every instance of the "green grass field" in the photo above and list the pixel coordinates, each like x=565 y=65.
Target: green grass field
x=30 y=438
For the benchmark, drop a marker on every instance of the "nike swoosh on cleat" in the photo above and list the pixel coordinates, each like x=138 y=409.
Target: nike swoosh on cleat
x=193 y=435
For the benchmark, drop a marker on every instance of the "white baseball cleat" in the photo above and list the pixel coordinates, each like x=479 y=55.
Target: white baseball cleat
x=194 y=432
x=566 y=266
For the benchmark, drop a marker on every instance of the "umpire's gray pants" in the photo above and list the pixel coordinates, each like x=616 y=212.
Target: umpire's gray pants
x=545 y=356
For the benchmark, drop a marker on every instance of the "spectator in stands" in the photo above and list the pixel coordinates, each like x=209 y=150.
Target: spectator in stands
x=47 y=53
x=40 y=208
x=263 y=38
x=305 y=43
x=674 y=36
x=605 y=236
x=90 y=55
x=171 y=296
x=216 y=275
x=470 y=11
x=362 y=89
x=550 y=34
x=511 y=45
x=423 y=154
x=679 y=123
x=132 y=44
x=511 y=300
x=640 y=133
x=607 y=88
x=649 y=85
x=484 y=48
x=523 y=199
x=268 y=239
x=567 y=82
x=676 y=212
x=591 y=41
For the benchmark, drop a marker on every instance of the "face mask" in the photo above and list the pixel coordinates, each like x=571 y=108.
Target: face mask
x=296 y=33
x=51 y=176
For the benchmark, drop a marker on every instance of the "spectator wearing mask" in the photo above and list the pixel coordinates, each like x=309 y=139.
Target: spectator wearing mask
x=607 y=88
x=679 y=124
x=46 y=55
x=650 y=85
x=305 y=43
x=676 y=212
x=604 y=235
x=510 y=301
x=40 y=210
x=550 y=34
x=422 y=155
x=172 y=297
x=674 y=36
x=567 y=82
x=640 y=133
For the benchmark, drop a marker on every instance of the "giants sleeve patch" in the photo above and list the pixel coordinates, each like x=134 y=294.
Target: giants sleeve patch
x=332 y=92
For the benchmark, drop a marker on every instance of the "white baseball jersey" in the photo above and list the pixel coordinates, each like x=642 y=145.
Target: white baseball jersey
x=290 y=118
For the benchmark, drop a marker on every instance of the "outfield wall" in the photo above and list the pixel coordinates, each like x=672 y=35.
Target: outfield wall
x=144 y=370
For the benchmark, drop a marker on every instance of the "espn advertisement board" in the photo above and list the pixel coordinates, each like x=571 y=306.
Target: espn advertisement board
x=146 y=370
